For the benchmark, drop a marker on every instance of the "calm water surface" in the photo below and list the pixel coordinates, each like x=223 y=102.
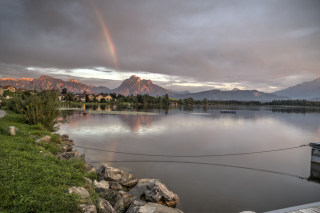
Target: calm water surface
x=200 y=130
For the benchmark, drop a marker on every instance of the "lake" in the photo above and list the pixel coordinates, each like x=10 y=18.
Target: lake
x=256 y=182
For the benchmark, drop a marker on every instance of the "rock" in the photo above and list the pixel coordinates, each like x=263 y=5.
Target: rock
x=127 y=199
x=65 y=136
x=104 y=206
x=156 y=208
x=89 y=168
x=109 y=173
x=68 y=155
x=157 y=192
x=79 y=191
x=88 y=208
x=101 y=186
x=115 y=186
x=45 y=139
x=65 y=148
x=119 y=200
x=115 y=199
x=89 y=181
x=135 y=206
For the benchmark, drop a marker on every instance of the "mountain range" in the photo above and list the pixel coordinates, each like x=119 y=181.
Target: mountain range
x=46 y=82
x=135 y=85
x=235 y=94
x=306 y=90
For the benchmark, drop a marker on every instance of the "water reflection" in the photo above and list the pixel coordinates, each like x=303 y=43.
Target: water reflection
x=198 y=130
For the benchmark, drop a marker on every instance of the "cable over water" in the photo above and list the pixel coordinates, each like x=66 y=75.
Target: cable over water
x=192 y=156
x=199 y=163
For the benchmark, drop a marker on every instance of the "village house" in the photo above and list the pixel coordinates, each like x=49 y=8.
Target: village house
x=99 y=97
x=61 y=97
x=9 y=88
x=174 y=103
x=90 y=97
x=81 y=97
x=108 y=97
x=1 y=91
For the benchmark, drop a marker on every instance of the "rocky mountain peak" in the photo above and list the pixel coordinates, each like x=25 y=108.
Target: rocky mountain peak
x=73 y=81
x=25 y=79
x=44 y=77
x=9 y=79
x=147 y=81
x=134 y=85
x=134 y=77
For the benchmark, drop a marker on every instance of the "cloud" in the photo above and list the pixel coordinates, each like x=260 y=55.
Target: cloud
x=248 y=43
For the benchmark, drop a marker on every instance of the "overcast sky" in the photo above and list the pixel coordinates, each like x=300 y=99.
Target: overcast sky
x=178 y=44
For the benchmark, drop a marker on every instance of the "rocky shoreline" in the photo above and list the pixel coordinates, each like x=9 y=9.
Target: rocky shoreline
x=118 y=191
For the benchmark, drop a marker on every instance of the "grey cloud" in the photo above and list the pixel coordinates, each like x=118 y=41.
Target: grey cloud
x=253 y=43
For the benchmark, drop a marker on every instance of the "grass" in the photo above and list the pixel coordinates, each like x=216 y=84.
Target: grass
x=12 y=94
x=31 y=178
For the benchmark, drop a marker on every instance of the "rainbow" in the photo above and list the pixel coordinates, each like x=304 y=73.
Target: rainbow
x=106 y=32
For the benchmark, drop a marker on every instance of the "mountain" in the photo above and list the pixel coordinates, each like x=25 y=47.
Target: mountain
x=134 y=85
x=100 y=89
x=239 y=95
x=306 y=90
x=46 y=82
x=16 y=82
x=179 y=92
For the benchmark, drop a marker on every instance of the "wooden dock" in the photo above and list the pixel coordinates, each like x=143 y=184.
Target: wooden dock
x=308 y=208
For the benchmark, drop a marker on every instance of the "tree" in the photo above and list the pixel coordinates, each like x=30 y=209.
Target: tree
x=113 y=95
x=69 y=97
x=87 y=98
x=94 y=99
x=166 y=100
x=205 y=101
x=64 y=91
x=103 y=100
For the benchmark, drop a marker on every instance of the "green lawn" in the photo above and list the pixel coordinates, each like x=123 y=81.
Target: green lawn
x=30 y=181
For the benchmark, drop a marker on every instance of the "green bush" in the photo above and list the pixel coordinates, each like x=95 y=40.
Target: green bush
x=41 y=107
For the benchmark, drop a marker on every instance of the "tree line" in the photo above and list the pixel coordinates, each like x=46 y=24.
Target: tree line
x=165 y=100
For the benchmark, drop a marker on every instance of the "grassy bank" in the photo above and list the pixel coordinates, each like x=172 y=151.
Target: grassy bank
x=31 y=178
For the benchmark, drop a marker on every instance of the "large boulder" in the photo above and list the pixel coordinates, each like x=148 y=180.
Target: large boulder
x=45 y=139
x=157 y=192
x=88 y=208
x=109 y=173
x=88 y=180
x=137 y=207
x=127 y=199
x=101 y=186
x=89 y=168
x=115 y=199
x=69 y=155
x=115 y=185
x=104 y=206
x=82 y=192
x=119 y=200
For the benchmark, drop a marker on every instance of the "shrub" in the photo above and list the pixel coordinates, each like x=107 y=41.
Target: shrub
x=41 y=107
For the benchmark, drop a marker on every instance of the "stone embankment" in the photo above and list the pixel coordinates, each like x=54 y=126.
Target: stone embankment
x=118 y=190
